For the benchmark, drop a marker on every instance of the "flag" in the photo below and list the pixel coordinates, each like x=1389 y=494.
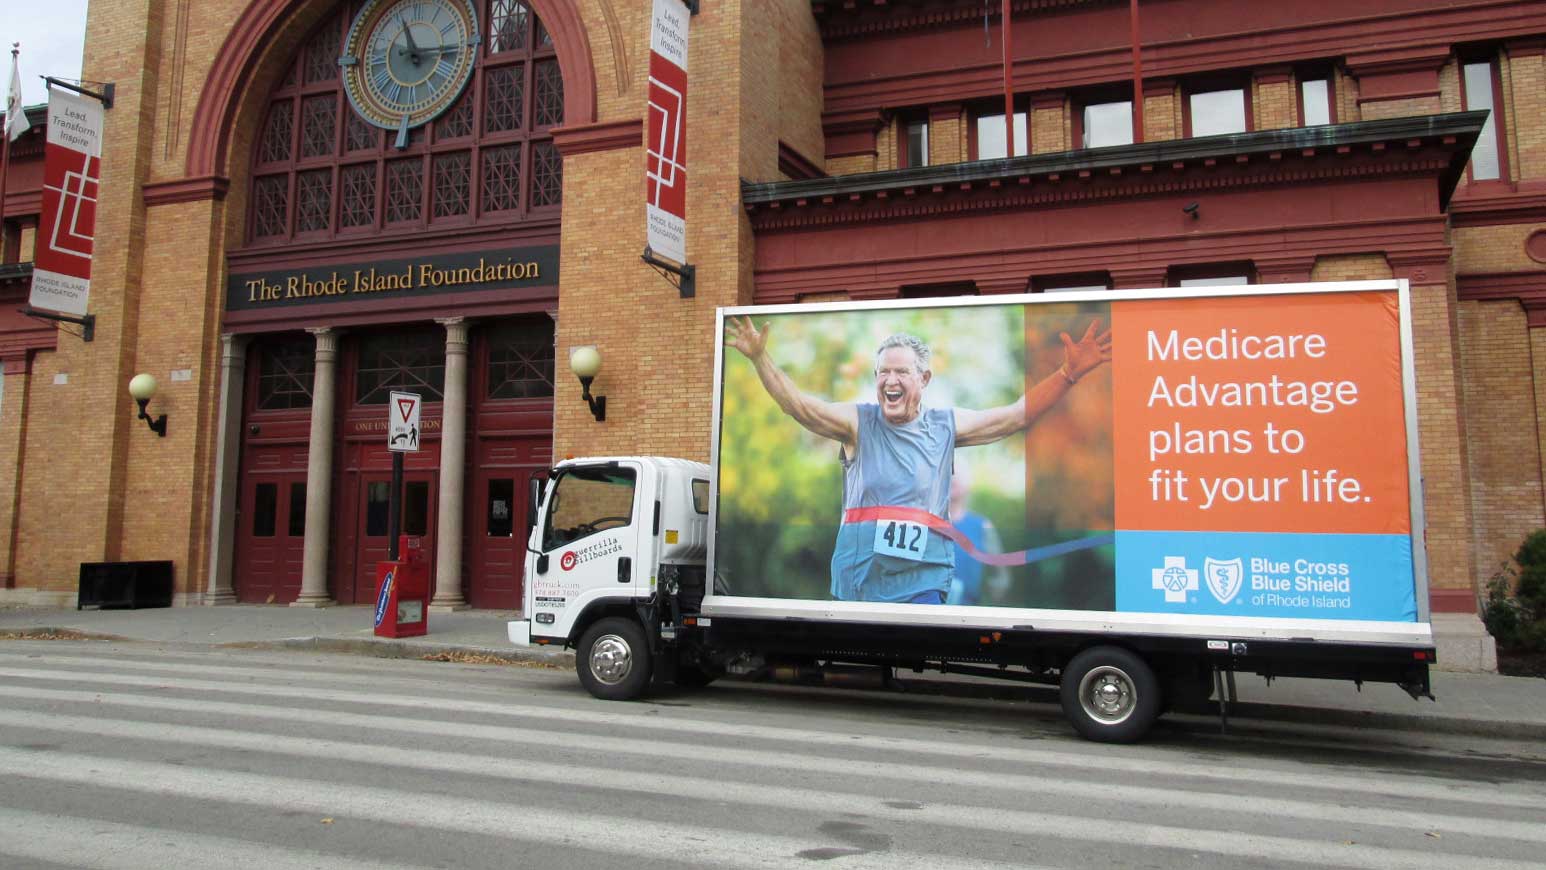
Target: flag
x=16 y=122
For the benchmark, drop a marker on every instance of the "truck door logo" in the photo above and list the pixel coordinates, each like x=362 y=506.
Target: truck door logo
x=1175 y=579
x=1224 y=577
x=567 y=561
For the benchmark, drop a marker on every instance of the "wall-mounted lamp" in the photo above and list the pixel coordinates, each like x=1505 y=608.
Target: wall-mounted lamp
x=585 y=362
x=142 y=388
x=1191 y=209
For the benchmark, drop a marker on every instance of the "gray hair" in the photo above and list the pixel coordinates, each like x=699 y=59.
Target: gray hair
x=910 y=342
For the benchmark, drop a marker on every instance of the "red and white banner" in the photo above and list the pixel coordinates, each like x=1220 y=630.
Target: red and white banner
x=666 y=166
x=72 y=167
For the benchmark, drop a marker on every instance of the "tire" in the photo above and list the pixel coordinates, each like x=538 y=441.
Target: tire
x=613 y=660
x=1110 y=695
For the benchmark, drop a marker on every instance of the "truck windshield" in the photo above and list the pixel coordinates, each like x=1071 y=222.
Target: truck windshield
x=586 y=501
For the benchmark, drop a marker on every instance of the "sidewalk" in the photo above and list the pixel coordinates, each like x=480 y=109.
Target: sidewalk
x=1480 y=704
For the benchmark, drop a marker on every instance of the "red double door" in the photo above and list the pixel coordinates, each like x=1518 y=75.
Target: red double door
x=271 y=519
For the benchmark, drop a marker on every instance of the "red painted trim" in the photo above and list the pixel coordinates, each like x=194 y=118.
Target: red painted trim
x=1475 y=206
x=1528 y=287
x=1048 y=100
x=1139 y=181
x=235 y=62
x=851 y=134
x=185 y=190
x=1274 y=75
x=892 y=80
x=795 y=165
x=572 y=139
x=1452 y=600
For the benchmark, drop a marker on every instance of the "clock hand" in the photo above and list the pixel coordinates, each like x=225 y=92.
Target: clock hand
x=413 y=48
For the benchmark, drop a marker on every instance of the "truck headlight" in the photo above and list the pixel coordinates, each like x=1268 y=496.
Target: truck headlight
x=545 y=618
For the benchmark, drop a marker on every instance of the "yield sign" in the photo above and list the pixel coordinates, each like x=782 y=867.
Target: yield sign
x=403 y=422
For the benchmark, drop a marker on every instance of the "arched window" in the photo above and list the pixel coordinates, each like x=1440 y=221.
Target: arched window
x=320 y=172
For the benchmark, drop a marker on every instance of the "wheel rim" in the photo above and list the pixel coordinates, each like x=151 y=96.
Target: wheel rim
x=1108 y=695
x=610 y=659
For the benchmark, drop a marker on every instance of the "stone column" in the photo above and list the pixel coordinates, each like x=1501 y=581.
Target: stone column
x=319 y=475
x=453 y=461
x=228 y=443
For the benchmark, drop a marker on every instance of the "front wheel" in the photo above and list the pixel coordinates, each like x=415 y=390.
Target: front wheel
x=613 y=659
x=1110 y=695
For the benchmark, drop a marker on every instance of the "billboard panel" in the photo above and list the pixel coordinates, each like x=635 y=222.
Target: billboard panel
x=1150 y=453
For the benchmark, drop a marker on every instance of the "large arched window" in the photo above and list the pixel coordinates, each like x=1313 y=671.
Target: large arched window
x=319 y=171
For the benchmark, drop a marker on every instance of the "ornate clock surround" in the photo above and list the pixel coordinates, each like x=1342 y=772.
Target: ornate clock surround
x=405 y=62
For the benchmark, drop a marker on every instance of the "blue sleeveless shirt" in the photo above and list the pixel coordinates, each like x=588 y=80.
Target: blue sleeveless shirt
x=909 y=466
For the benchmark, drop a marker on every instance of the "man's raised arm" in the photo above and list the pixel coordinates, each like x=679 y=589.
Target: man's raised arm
x=836 y=420
x=1079 y=358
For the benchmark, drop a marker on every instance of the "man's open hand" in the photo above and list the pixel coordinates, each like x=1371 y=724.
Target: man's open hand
x=1086 y=355
x=746 y=338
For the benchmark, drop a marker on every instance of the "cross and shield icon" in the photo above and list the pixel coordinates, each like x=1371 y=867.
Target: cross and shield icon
x=1224 y=577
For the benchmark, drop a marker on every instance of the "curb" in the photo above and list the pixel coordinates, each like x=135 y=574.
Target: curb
x=388 y=648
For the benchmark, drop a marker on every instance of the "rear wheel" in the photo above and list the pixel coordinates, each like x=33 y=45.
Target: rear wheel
x=1110 y=695
x=613 y=659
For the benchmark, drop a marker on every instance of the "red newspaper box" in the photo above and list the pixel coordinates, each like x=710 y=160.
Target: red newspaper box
x=402 y=592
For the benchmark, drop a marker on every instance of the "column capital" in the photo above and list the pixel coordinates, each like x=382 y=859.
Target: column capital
x=233 y=350
x=456 y=333
x=1294 y=269
x=1139 y=277
x=327 y=342
x=1420 y=267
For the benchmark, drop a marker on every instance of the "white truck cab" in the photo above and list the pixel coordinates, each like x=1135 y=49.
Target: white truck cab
x=608 y=533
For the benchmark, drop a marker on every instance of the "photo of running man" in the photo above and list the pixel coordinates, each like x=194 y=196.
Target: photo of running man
x=897 y=453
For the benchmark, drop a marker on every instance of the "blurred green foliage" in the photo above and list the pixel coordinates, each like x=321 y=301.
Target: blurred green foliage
x=780 y=487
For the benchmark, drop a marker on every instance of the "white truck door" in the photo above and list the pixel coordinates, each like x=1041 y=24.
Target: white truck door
x=590 y=540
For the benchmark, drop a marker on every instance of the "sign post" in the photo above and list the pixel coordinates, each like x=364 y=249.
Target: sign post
x=402 y=584
x=402 y=437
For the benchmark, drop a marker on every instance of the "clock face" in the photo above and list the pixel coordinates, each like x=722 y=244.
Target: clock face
x=406 y=61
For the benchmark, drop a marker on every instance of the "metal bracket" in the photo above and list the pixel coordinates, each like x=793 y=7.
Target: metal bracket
x=88 y=322
x=686 y=274
x=105 y=95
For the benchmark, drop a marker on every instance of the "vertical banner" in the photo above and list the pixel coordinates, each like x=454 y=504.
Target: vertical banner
x=666 y=151
x=72 y=167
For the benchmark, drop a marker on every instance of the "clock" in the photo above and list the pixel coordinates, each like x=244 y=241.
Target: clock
x=406 y=61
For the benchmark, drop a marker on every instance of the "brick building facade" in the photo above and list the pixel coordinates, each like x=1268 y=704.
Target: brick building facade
x=839 y=150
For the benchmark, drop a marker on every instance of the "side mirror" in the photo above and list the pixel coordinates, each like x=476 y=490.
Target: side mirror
x=542 y=563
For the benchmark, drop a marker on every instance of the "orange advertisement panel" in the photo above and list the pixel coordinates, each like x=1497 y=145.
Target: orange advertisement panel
x=1260 y=414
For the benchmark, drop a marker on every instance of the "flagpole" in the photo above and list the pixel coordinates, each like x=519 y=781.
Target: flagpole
x=5 y=151
x=1009 y=86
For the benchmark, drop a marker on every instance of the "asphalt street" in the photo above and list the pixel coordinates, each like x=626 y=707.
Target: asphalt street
x=138 y=756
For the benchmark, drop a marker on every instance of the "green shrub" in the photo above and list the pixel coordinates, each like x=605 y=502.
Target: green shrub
x=1515 y=608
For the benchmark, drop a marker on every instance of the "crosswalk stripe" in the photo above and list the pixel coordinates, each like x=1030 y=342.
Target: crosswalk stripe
x=617 y=835
x=104 y=845
x=1112 y=761
x=1210 y=805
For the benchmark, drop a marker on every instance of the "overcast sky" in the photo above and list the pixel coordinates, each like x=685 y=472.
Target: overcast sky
x=52 y=34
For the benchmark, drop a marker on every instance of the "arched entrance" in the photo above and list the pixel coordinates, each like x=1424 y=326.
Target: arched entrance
x=374 y=260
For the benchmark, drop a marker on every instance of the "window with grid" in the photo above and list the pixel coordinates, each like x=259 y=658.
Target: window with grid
x=520 y=360
x=321 y=171
x=412 y=362
x=285 y=369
